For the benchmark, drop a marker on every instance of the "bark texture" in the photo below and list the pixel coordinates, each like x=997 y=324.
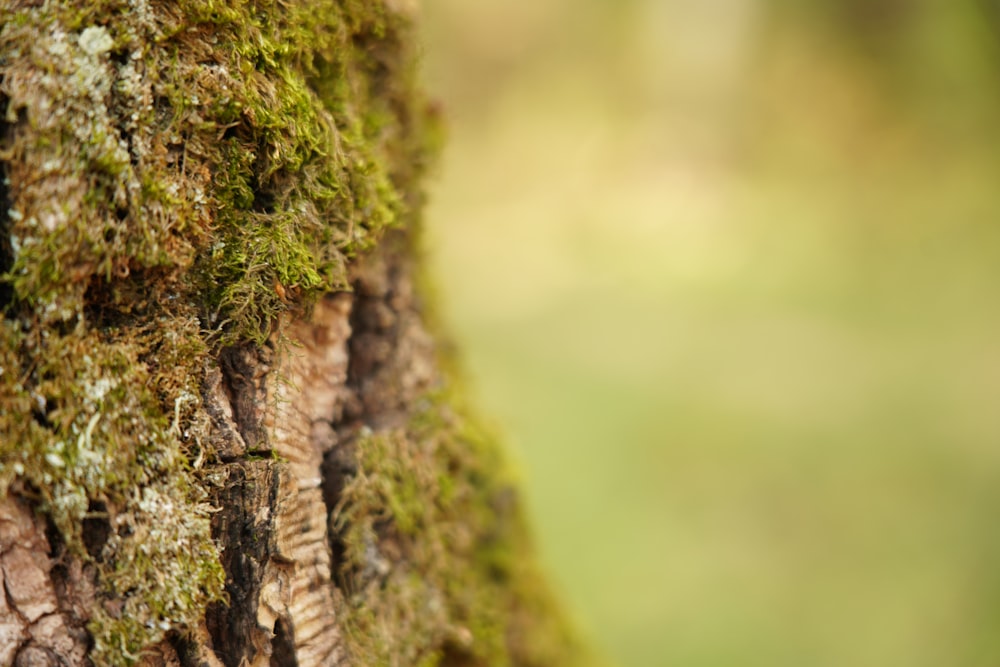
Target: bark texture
x=227 y=431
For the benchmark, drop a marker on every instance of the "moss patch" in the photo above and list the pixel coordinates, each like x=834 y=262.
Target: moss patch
x=437 y=562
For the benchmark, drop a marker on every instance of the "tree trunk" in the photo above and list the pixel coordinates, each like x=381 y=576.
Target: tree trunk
x=227 y=433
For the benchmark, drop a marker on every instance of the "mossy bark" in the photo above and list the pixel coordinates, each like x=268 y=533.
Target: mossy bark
x=227 y=433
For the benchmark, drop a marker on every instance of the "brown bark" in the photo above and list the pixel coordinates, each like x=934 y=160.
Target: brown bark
x=358 y=362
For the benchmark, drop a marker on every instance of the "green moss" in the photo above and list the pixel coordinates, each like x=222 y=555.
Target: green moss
x=177 y=175
x=306 y=184
x=437 y=562
x=85 y=432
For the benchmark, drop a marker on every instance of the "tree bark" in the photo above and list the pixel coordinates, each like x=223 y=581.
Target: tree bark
x=227 y=433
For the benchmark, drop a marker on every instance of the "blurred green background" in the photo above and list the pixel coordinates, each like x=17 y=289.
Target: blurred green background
x=726 y=274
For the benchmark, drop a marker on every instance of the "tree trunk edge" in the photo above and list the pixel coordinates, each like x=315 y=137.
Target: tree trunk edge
x=215 y=457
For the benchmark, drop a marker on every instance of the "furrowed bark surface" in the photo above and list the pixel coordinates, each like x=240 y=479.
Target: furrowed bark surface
x=226 y=432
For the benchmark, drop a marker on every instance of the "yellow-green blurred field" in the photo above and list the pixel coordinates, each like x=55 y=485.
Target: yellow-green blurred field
x=727 y=274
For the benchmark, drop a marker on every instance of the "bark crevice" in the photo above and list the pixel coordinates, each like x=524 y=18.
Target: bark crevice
x=247 y=490
x=6 y=250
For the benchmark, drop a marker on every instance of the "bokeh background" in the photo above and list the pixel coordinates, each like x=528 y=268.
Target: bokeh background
x=725 y=273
